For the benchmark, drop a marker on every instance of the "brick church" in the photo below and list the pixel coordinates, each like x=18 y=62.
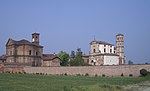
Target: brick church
x=26 y=53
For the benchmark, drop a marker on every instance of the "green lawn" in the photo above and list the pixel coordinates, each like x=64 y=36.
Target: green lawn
x=25 y=82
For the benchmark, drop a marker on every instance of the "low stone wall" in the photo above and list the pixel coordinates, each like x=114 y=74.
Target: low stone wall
x=1 y=68
x=126 y=70
x=12 y=69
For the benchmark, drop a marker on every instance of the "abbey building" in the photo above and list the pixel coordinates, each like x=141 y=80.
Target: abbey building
x=103 y=53
x=26 y=53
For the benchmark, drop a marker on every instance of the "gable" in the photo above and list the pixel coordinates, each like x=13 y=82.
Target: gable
x=56 y=59
x=10 y=42
x=53 y=59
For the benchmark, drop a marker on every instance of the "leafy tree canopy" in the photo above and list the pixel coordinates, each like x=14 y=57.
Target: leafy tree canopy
x=64 y=56
x=130 y=62
x=77 y=60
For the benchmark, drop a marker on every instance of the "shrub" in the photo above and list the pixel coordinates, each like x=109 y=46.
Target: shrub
x=86 y=74
x=96 y=75
x=65 y=74
x=119 y=88
x=78 y=75
x=130 y=75
x=122 y=75
x=66 y=88
x=143 y=72
x=106 y=86
x=103 y=75
x=37 y=73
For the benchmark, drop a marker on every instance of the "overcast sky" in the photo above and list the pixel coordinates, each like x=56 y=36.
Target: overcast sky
x=70 y=24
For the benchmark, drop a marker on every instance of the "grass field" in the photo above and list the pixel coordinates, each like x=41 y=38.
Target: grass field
x=25 y=82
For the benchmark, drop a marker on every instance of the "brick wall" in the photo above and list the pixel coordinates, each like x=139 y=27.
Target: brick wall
x=82 y=70
x=12 y=69
x=91 y=70
x=1 y=68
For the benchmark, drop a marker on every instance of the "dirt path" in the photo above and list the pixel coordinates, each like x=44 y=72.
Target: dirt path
x=148 y=89
x=139 y=87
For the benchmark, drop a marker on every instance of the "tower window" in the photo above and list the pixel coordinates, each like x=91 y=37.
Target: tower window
x=30 y=52
x=94 y=50
x=36 y=53
x=10 y=52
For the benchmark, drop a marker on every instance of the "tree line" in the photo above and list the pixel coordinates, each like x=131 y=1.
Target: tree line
x=74 y=59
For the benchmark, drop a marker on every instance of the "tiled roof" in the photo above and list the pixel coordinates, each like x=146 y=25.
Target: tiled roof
x=119 y=34
x=85 y=56
x=102 y=42
x=35 y=34
x=49 y=57
x=106 y=54
x=23 y=42
x=3 y=57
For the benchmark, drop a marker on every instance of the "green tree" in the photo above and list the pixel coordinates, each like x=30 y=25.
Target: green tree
x=78 y=52
x=143 y=72
x=72 y=55
x=130 y=62
x=64 y=58
x=77 y=60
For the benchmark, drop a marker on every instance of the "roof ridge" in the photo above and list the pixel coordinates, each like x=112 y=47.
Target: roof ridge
x=103 y=42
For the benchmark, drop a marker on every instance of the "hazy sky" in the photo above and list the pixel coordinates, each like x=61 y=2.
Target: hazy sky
x=69 y=24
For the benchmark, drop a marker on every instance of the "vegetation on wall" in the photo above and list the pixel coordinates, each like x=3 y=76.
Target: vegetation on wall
x=144 y=72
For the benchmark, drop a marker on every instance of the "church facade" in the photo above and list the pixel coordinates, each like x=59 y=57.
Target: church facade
x=24 y=52
x=103 y=53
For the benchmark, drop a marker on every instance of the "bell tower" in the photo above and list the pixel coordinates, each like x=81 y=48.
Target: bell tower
x=120 y=48
x=35 y=38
